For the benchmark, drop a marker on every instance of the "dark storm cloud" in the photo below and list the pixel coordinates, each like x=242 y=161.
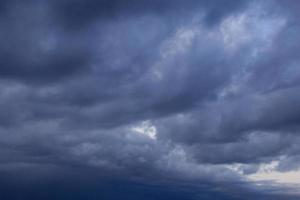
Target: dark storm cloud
x=45 y=51
x=33 y=49
x=122 y=189
x=147 y=99
x=78 y=13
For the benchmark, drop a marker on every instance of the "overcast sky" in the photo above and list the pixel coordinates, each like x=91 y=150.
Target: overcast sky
x=149 y=99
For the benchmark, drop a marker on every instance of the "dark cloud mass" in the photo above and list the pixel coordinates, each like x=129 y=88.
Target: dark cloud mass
x=143 y=99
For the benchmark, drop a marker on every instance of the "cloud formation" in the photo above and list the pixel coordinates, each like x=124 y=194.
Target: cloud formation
x=147 y=99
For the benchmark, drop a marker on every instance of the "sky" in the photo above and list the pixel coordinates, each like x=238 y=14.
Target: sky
x=149 y=99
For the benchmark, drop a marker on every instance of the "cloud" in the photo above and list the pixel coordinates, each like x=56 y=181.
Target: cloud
x=147 y=99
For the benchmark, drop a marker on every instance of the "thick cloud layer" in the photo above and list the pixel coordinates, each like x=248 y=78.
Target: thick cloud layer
x=147 y=99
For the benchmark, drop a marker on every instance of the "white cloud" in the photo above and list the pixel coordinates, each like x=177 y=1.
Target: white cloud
x=146 y=128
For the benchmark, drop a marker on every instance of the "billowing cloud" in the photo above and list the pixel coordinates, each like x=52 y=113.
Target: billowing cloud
x=149 y=99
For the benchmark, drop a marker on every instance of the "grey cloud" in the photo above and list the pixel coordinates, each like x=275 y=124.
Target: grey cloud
x=215 y=81
x=78 y=13
x=34 y=49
